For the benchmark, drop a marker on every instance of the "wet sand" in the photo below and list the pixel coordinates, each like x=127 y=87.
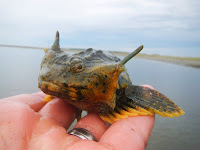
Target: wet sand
x=184 y=61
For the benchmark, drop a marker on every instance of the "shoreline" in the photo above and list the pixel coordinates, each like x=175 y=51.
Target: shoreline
x=183 y=61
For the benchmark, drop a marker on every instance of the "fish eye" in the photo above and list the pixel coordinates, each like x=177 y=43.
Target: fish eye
x=76 y=65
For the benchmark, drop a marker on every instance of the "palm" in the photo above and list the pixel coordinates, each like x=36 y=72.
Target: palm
x=26 y=122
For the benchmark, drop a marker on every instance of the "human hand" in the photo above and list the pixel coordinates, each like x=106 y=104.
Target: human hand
x=27 y=122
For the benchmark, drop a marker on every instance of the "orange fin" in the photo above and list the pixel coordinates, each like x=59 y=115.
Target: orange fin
x=48 y=98
x=140 y=101
x=153 y=100
x=126 y=112
x=45 y=50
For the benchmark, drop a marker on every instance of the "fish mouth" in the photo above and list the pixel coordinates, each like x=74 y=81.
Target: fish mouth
x=60 y=91
x=71 y=96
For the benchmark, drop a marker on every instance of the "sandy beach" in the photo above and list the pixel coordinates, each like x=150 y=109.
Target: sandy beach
x=184 y=61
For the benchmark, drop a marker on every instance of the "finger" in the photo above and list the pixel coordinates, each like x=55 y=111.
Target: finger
x=49 y=135
x=17 y=120
x=149 y=86
x=60 y=111
x=50 y=131
x=57 y=138
x=35 y=101
x=133 y=132
x=94 y=124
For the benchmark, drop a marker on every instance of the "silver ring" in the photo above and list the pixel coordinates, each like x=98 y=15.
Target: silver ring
x=82 y=133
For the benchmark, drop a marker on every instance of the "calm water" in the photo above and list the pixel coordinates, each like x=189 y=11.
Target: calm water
x=19 y=72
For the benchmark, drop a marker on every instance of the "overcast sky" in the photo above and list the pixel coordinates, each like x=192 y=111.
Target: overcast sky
x=167 y=27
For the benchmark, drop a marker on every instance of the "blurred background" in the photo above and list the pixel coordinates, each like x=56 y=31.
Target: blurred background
x=166 y=28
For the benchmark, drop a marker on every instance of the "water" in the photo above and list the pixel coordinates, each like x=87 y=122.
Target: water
x=181 y=84
x=19 y=72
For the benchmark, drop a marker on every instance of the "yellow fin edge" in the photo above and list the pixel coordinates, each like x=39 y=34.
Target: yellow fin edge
x=169 y=114
x=45 y=50
x=48 y=98
x=125 y=114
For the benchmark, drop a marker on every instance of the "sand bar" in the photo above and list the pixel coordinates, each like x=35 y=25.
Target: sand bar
x=185 y=61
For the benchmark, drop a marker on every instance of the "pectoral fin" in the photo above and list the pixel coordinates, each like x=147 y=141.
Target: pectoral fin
x=140 y=101
x=153 y=100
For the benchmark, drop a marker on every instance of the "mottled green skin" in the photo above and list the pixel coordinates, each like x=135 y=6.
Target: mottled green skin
x=97 y=82
x=59 y=68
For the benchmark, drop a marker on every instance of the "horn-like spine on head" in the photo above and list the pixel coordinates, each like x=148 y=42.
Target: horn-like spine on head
x=131 y=55
x=56 y=45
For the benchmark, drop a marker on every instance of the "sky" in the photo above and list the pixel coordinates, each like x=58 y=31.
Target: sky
x=165 y=27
